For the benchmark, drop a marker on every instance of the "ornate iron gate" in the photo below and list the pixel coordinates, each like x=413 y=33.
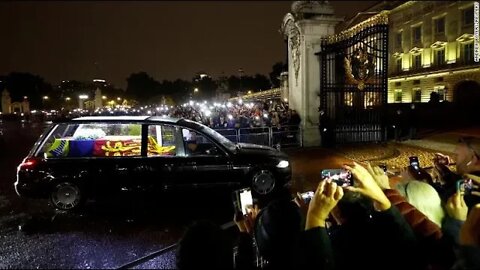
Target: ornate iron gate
x=353 y=83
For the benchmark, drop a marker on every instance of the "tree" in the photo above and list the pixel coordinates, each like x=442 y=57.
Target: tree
x=277 y=69
x=206 y=88
x=142 y=86
x=261 y=83
x=233 y=83
x=22 y=84
x=258 y=82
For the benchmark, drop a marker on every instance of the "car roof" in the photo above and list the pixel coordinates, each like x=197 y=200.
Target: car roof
x=164 y=119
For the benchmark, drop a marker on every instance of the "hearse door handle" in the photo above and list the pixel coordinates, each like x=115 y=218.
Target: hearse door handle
x=122 y=169
x=193 y=164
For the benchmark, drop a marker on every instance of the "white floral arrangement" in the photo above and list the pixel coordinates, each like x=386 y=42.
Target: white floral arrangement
x=89 y=134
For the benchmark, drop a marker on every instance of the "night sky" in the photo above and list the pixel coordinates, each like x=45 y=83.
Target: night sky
x=168 y=40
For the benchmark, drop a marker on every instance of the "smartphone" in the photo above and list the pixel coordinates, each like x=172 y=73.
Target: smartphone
x=414 y=162
x=307 y=196
x=383 y=167
x=465 y=186
x=242 y=200
x=342 y=177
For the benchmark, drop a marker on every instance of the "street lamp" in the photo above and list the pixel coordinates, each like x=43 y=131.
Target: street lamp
x=104 y=97
x=25 y=97
x=83 y=97
x=45 y=97
x=118 y=98
x=67 y=99
x=195 y=90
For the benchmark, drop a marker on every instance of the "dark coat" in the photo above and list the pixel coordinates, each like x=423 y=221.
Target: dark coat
x=375 y=243
x=313 y=251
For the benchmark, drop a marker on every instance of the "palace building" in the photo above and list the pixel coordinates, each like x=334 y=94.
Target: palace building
x=343 y=74
x=431 y=49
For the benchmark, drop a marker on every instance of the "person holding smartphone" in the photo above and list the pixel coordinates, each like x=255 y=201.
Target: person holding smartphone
x=281 y=237
x=371 y=228
x=467 y=154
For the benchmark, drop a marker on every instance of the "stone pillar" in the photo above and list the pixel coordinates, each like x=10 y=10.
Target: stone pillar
x=98 y=99
x=6 y=102
x=284 y=85
x=304 y=27
x=25 y=106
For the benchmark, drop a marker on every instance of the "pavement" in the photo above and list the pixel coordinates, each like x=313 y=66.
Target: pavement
x=443 y=141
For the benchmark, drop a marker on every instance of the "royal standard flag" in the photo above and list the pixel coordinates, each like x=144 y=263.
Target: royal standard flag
x=59 y=148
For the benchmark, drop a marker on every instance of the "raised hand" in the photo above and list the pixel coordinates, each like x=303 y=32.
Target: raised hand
x=476 y=183
x=379 y=176
x=456 y=207
x=325 y=199
x=469 y=233
x=367 y=186
x=246 y=223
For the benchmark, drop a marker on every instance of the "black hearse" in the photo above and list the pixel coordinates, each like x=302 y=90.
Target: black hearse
x=91 y=156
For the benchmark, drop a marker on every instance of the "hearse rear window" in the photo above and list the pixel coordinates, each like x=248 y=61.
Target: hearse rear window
x=93 y=140
x=161 y=141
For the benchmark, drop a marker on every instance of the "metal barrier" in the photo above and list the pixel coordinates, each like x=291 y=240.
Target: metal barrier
x=260 y=135
x=229 y=133
x=285 y=136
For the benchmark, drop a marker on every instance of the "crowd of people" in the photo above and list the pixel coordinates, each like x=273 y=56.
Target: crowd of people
x=238 y=114
x=427 y=220
x=226 y=115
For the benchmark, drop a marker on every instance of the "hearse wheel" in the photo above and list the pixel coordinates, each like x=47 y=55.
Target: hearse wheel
x=263 y=182
x=66 y=196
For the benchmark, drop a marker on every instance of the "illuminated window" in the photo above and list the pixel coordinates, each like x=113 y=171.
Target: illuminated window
x=348 y=98
x=441 y=91
x=440 y=25
x=398 y=40
x=417 y=94
x=417 y=34
x=417 y=61
x=399 y=64
x=467 y=52
x=439 y=57
x=398 y=95
x=467 y=16
x=372 y=99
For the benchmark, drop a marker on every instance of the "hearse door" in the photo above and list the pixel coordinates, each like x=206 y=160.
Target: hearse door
x=163 y=163
x=114 y=156
x=209 y=164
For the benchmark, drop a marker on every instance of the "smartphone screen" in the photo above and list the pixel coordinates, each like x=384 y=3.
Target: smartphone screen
x=307 y=196
x=414 y=162
x=245 y=199
x=465 y=186
x=342 y=177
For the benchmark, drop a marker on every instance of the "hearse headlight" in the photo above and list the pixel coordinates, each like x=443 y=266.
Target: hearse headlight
x=283 y=164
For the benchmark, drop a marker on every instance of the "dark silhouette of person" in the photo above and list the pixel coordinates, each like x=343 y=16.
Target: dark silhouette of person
x=204 y=246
